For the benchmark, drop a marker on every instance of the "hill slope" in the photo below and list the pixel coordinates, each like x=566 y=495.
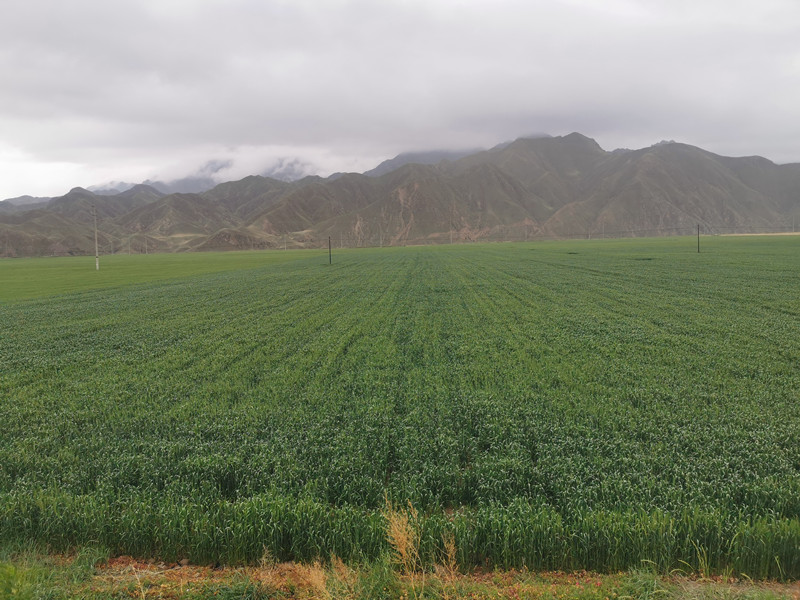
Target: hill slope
x=533 y=187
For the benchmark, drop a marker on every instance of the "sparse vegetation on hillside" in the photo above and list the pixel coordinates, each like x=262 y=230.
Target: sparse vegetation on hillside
x=546 y=188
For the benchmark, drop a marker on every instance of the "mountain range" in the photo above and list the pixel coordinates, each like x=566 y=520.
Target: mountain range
x=531 y=188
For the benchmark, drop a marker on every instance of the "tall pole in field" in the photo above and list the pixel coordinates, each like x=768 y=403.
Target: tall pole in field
x=330 y=259
x=452 y=218
x=96 y=253
x=698 y=238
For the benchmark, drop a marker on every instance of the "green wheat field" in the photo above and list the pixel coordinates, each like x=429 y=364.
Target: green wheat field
x=595 y=405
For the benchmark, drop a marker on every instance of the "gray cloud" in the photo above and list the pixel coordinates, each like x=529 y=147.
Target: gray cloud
x=155 y=88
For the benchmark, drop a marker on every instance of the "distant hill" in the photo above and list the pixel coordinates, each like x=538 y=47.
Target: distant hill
x=22 y=203
x=249 y=196
x=177 y=215
x=431 y=157
x=25 y=201
x=186 y=185
x=141 y=193
x=531 y=188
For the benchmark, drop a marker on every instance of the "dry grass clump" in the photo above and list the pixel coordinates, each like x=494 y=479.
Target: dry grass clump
x=297 y=580
x=402 y=531
x=447 y=570
x=311 y=581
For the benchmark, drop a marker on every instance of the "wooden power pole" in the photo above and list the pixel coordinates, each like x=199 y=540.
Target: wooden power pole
x=96 y=253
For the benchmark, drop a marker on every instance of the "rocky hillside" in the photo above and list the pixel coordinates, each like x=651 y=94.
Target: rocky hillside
x=531 y=188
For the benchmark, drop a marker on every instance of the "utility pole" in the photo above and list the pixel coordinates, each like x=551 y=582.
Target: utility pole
x=96 y=253
x=452 y=218
x=698 y=238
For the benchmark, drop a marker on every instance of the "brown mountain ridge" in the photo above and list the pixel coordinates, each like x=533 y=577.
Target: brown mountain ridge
x=532 y=188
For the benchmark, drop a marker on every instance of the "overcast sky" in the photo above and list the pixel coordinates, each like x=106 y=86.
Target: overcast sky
x=102 y=90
